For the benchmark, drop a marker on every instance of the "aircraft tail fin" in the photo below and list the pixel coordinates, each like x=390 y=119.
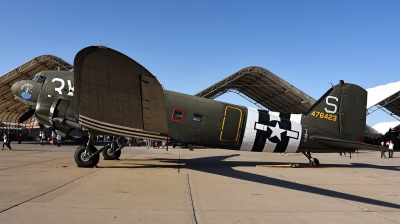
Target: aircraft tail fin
x=340 y=113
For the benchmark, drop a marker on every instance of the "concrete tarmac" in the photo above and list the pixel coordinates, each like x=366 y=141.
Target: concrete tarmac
x=41 y=184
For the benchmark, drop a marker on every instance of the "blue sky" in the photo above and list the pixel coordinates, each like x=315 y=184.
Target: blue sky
x=190 y=45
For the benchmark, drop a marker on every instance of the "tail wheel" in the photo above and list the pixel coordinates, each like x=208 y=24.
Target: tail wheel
x=110 y=154
x=83 y=160
x=313 y=162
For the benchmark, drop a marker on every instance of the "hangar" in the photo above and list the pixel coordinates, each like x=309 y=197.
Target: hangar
x=385 y=98
x=258 y=85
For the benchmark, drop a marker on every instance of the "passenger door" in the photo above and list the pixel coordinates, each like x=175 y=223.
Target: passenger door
x=231 y=124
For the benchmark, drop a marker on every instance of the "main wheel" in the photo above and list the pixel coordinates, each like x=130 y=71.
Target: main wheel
x=108 y=153
x=83 y=160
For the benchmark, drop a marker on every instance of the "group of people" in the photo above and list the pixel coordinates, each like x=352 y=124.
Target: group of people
x=10 y=136
x=390 y=145
x=54 y=137
x=149 y=143
x=391 y=141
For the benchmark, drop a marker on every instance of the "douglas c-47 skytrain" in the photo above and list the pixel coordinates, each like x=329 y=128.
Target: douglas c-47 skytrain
x=109 y=93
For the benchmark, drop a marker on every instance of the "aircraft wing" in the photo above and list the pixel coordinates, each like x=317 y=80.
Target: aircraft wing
x=116 y=95
x=338 y=143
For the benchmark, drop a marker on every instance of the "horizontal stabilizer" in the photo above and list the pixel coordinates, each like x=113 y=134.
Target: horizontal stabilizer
x=345 y=144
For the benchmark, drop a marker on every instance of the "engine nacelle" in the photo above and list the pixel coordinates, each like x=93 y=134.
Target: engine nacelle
x=56 y=113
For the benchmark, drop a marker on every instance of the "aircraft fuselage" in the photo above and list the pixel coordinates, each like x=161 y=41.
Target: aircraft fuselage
x=196 y=121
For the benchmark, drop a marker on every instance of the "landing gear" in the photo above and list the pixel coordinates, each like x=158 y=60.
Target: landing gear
x=88 y=155
x=86 y=158
x=312 y=161
x=112 y=153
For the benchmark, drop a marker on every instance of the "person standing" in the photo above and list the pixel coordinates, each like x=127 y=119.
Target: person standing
x=58 y=140
x=53 y=137
x=39 y=138
x=19 y=136
x=391 y=147
x=8 y=141
x=383 y=152
x=148 y=143
x=5 y=142
x=139 y=141
x=130 y=141
x=44 y=138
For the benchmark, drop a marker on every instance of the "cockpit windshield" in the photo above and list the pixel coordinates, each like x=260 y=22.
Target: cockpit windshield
x=41 y=79
x=35 y=77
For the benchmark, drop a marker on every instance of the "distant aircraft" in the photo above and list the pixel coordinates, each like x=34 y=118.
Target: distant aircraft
x=109 y=93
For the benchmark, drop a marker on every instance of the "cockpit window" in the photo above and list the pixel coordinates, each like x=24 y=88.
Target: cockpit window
x=35 y=77
x=41 y=79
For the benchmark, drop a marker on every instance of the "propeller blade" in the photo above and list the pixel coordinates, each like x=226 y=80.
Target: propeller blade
x=41 y=127
x=26 y=116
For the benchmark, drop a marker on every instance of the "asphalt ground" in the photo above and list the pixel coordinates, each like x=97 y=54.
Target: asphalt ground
x=41 y=184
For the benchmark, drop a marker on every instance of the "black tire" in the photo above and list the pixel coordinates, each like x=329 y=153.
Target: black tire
x=316 y=162
x=80 y=159
x=108 y=155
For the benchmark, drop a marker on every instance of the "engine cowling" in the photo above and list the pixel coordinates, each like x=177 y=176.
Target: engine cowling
x=57 y=113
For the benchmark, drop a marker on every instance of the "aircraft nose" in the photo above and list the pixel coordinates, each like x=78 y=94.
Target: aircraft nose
x=15 y=88
x=22 y=89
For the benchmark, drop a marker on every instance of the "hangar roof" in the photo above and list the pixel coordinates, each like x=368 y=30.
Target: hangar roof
x=262 y=88
x=10 y=108
x=383 y=127
x=385 y=97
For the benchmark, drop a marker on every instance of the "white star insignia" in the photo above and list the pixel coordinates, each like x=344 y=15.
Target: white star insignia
x=276 y=131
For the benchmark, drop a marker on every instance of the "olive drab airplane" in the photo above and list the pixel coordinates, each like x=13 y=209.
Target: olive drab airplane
x=109 y=93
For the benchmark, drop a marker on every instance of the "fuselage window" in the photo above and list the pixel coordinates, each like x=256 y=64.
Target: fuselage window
x=41 y=79
x=177 y=115
x=197 y=117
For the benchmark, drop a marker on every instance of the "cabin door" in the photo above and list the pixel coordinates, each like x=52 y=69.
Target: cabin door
x=231 y=124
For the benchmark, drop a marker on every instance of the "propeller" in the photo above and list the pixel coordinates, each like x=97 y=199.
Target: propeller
x=41 y=127
x=26 y=116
